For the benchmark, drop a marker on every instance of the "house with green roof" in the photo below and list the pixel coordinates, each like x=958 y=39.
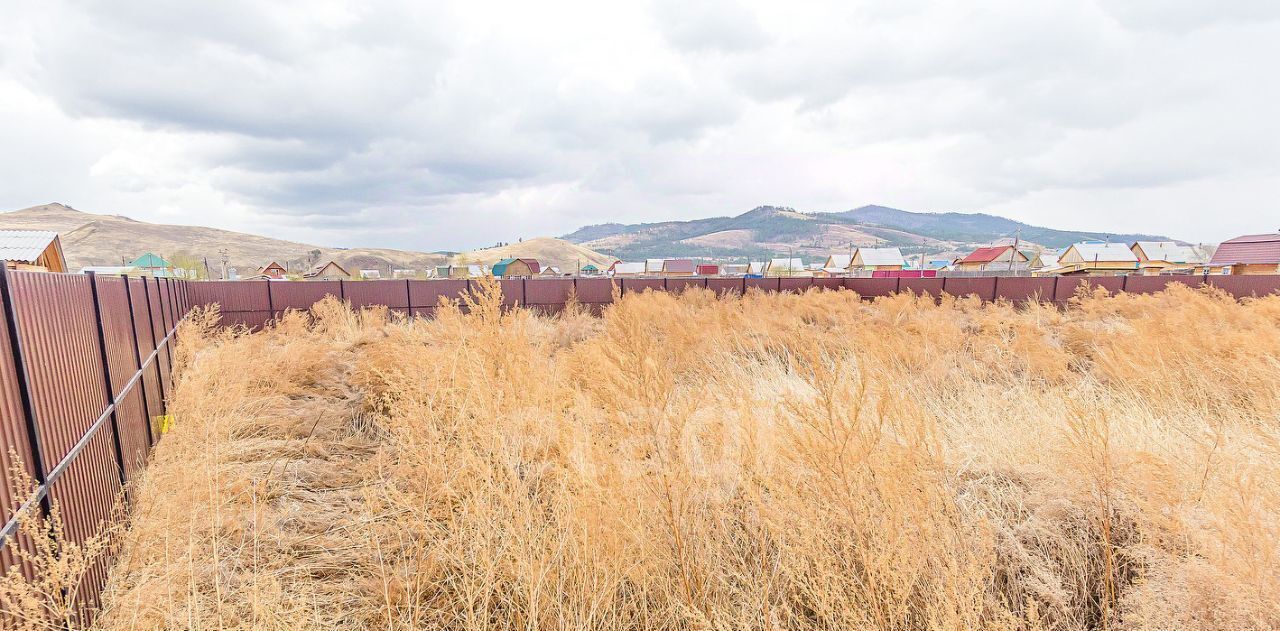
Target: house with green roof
x=516 y=268
x=153 y=265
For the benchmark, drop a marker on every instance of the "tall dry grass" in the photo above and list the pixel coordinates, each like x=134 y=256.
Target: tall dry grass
x=686 y=462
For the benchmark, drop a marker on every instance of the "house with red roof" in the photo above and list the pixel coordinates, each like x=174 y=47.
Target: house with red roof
x=1250 y=254
x=994 y=257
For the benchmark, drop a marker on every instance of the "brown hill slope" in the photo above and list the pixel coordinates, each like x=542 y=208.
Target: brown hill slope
x=558 y=252
x=91 y=239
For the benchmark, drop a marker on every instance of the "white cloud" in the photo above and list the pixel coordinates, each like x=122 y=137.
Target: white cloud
x=451 y=125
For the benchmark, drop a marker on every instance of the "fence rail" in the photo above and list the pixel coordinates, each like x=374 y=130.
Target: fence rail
x=254 y=302
x=85 y=365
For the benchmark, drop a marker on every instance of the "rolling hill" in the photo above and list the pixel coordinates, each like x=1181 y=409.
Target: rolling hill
x=771 y=230
x=91 y=239
x=556 y=252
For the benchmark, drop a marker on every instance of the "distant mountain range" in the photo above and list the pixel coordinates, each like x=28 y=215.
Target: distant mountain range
x=91 y=239
x=771 y=230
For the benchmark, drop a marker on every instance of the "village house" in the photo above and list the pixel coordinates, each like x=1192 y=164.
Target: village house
x=370 y=274
x=995 y=258
x=517 y=268
x=589 y=270
x=621 y=269
x=836 y=265
x=153 y=266
x=1249 y=255
x=733 y=269
x=1098 y=259
x=786 y=267
x=877 y=259
x=653 y=267
x=550 y=270
x=1044 y=263
x=329 y=270
x=272 y=270
x=678 y=267
x=708 y=269
x=34 y=250
x=756 y=268
x=1164 y=257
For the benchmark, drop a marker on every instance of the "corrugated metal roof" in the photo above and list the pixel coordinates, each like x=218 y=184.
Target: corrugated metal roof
x=24 y=245
x=1169 y=252
x=653 y=266
x=1249 y=249
x=755 y=267
x=881 y=256
x=150 y=260
x=986 y=254
x=1108 y=252
x=841 y=261
x=678 y=266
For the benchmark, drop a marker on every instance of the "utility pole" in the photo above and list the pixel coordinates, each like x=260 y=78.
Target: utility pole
x=1016 y=235
x=225 y=259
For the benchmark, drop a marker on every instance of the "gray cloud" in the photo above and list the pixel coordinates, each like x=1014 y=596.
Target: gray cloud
x=449 y=125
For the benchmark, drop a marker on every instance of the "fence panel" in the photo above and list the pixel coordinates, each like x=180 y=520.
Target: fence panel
x=547 y=291
x=235 y=295
x=427 y=293
x=637 y=285
x=13 y=433
x=984 y=287
x=1026 y=288
x=726 y=286
x=1068 y=285
x=393 y=294
x=872 y=287
x=795 y=285
x=829 y=283
x=594 y=291
x=1246 y=286
x=301 y=295
x=762 y=284
x=680 y=285
x=512 y=291
x=60 y=350
x=931 y=287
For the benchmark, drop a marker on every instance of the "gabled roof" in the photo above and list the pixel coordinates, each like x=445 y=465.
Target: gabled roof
x=620 y=267
x=986 y=254
x=1168 y=251
x=880 y=256
x=1261 y=249
x=320 y=267
x=150 y=260
x=792 y=264
x=653 y=266
x=755 y=267
x=678 y=266
x=841 y=261
x=1104 y=252
x=24 y=245
x=270 y=265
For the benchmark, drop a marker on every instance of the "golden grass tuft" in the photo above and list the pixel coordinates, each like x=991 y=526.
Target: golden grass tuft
x=807 y=461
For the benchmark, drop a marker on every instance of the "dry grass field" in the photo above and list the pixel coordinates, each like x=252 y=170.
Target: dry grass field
x=779 y=461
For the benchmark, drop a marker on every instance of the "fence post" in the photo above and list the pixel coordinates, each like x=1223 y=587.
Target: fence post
x=137 y=357
x=24 y=386
x=408 y=298
x=109 y=395
x=271 y=303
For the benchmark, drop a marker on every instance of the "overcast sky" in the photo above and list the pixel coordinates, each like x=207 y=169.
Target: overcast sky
x=457 y=124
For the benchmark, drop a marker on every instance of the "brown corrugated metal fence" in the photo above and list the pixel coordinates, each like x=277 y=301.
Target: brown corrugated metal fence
x=81 y=381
